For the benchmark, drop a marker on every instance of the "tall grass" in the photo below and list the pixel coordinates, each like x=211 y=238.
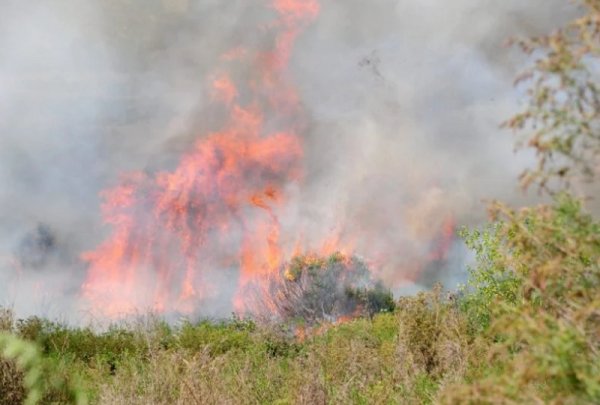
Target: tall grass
x=526 y=329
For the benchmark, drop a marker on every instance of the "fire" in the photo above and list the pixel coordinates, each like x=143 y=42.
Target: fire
x=444 y=240
x=216 y=215
x=224 y=193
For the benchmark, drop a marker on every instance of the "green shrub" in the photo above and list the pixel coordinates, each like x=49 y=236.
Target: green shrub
x=535 y=298
x=218 y=338
x=27 y=378
x=493 y=279
x=25 y=361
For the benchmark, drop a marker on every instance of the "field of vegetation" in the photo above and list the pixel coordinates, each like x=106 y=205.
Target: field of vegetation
x=524 y=329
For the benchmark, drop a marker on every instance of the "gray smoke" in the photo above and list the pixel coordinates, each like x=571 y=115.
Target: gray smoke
x=404 y=99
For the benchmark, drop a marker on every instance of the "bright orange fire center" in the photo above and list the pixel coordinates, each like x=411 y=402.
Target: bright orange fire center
x=174 y=233
x=224 y=192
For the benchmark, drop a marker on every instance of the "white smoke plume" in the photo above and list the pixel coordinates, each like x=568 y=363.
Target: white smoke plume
x=404 y=100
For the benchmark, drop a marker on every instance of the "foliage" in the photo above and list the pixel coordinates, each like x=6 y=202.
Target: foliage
x=434 y=333
x=28 y=378
x=491 y=280
x=562 y=121
x=536 y=303
x=238 y=361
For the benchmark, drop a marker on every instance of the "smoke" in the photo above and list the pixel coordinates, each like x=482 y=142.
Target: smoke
x=403 y=100
x=407 y=98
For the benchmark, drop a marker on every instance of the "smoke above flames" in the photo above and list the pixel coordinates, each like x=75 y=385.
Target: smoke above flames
x=163 y=157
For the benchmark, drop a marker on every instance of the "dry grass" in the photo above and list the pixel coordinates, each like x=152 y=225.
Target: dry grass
x=12 y=390
x=363 y=361
x=527 y=331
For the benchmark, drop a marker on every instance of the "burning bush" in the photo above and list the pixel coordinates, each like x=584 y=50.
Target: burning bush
x=313 y=289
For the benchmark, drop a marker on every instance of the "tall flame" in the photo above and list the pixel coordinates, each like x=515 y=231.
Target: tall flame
x=217 y=209
x=178 y=235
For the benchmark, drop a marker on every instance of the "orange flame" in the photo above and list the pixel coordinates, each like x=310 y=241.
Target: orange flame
x=444 y=240
x=226 y=189
x=218 y=211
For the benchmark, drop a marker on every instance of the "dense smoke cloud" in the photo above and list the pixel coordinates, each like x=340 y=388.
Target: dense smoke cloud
x=407 y=111
x=403 y=99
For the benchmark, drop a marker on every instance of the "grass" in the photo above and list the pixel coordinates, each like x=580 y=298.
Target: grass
x=526 y=329
x=240 y=362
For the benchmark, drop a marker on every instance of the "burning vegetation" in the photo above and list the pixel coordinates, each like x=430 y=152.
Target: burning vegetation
x=231 y=223
x=524 y=329
x=217 y=212
x=216 y=228
x=311 y=288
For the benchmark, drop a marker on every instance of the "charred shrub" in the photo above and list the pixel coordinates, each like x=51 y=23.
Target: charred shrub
x=376 y=299
x=312 y=289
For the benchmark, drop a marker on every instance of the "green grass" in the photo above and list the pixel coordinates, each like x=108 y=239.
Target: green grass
x=239 y=362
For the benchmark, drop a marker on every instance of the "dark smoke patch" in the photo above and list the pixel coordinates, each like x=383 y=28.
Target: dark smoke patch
x=37 y=248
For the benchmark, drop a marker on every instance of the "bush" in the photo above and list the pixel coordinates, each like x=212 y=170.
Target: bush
x=535 y=301
x=561 y=120
x=313 y=289
x=433 y=334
